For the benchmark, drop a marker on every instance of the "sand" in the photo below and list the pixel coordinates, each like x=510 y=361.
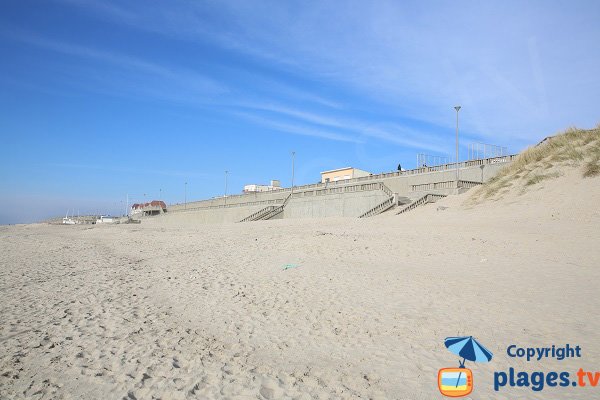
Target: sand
x=178 y=312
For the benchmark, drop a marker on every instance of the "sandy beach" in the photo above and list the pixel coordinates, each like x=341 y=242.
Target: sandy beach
x=175 y=312
x=299 y=200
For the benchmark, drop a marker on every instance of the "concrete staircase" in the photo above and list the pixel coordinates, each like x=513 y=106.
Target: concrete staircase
x=273 y=212
x=260 y=214
x=459 y=187
x=267 y=212
x=379 y=208
x=391 y=202
x=428 y=198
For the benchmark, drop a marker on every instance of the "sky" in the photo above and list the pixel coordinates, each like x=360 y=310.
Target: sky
x=104 y=102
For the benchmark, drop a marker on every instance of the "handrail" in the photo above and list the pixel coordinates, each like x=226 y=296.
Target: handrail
x=250 y=203
x=433 y=186
x=340 y=189
x=258 y=214
x=469 y=184
x=422 y=200
x=267 y=212
x=383 y=206
x=379 y=208
x=385 y=189
x=272 y=213
x=444 y=185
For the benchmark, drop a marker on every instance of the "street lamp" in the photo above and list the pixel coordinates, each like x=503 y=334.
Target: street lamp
x=457 y=108
x=185 y=197
x=293 y=159
x=226 y=173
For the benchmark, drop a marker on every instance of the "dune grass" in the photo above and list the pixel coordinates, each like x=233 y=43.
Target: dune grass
x=541 y=177
x=592 y=167
x=571 y=148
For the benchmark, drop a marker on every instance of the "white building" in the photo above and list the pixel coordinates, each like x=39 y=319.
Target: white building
x=275 y=185
x=105 y=220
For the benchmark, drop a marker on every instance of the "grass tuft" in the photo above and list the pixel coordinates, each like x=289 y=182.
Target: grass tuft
x=541 y=177
x=591 y=168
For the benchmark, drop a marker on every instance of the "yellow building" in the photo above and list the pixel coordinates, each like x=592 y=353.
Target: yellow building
x=341 y=174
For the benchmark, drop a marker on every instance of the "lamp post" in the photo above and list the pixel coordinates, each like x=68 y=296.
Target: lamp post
x=185 y=197
x=226 y=173
x=457 y=108
x=293 y=160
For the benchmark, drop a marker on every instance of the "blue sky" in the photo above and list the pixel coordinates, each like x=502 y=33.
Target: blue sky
x=100 y=99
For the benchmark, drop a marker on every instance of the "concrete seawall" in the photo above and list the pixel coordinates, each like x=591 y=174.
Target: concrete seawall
x=349 y=198
x=208 y=216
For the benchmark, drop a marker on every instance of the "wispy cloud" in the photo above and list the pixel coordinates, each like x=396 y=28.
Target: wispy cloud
x=176 y=77
x=132 y=171
x=384 y=131
x=173 y=83
x=281 y=90
x=104 y=7
x=298 y=129
x=421 y=57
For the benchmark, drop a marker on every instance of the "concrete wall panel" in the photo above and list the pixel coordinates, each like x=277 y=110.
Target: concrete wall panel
x=334 y=205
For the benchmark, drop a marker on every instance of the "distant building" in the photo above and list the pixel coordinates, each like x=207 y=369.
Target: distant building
x=154 y=207
x=341 y=174
x=104 y=219
x=275 y=185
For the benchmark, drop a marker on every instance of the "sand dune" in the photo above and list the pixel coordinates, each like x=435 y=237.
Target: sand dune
x=147 y=311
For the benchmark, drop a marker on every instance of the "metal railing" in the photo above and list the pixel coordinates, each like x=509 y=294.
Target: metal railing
x=479 y=151
x=424 y=160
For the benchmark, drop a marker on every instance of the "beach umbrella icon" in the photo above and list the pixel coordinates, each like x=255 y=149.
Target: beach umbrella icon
x=469 y=349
